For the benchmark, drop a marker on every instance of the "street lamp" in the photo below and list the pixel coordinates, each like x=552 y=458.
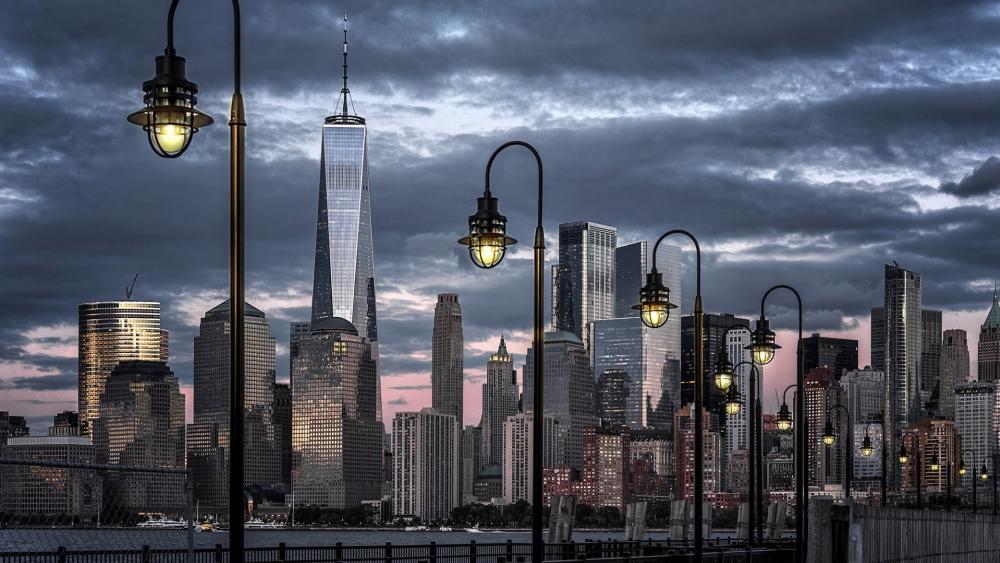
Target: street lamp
x=866 y=446
x=763 y=350
x=784 y=420
x=733 y=405
x=829 y=438
x=904 y=458
x=867 y=449
x=724 y=375
x=983 y=475
x=654 y=307
x=170 y=120
x=488 y=241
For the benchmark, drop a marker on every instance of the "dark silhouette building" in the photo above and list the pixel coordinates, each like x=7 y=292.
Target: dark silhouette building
x=838 y=354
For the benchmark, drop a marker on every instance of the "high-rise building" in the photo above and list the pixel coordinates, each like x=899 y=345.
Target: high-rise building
x=938 y=440
x=518 y=452
x=977 y=420
x=989 y=344
x=447 y=348
x=605 y=477
x=283 y=430
x=650 y=366
x=296 y=330
x=12 y=426
x=569 y=389
x=112 y=332
x=262 y=466
x=611 y=403
x=425 y=453
x=587 y=268
x=838 y=354
x=868 y=468
x=865 y=393
x=75 y=494
x=654 y=446
x=66 y=423
x=714 y=327
x=954 y=369
x=337 y=431
x=632 y=263
x=737 y=426
x=140 y=423
x=823 y=393
x=930 y=354
x=344 y=273
x=684 y=420
x=499 y=402
x=878 y=338
x=901 y=345
x=470 y=462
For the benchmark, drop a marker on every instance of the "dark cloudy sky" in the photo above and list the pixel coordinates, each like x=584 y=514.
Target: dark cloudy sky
x=803 y=142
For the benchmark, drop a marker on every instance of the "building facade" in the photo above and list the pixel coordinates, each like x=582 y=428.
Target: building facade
x=140 y=423
x=60 y=493
x=111 y=332
x=447 y=347
x=611 y=402
x=518 y=453
x=569 y=389
x=337 y=431
x=470 y=463
x=586 y=270
x=977 y=421
x=838 y=354
x=500 y=396
x=954 y=369
x=425 y=454
x=823 y=393
x=262 y=466
x=714 y=327
x=684 y=421
x=989 y=344
x=930 y=356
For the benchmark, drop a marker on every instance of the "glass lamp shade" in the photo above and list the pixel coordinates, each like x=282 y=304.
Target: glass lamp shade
x=903 y=457
x=829 y=438
x=487 y=239
x=784 y=418
x=763 y=345
x=961 y=468
x=866 y=447
x=935 y=464
x=983 y=474
x=733 y=403
x=723 y=371
x=654 y=301
x=170 y=118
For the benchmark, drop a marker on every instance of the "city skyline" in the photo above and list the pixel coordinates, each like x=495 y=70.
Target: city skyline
x=417 y=258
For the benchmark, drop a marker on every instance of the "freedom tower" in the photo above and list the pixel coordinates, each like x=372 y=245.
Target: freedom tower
x=344 y=275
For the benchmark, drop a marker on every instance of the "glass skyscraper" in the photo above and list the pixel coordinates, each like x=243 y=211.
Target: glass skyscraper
x=585 y=277
x=112 y=332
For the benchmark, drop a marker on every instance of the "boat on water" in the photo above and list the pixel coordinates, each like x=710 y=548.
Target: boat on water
x=474 y=530
x=162 y=523
x=258 y=524
x=445 y=529
x=415 y=529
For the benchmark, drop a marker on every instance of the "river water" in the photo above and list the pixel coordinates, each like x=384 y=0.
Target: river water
x=129 y=539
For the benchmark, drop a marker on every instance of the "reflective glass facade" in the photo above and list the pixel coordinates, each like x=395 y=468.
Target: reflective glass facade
x=587 y=272
x=112 y=332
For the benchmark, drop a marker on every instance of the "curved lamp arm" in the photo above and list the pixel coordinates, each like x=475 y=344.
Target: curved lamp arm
x=697 y=251
x=538 y=161
x=236 y=42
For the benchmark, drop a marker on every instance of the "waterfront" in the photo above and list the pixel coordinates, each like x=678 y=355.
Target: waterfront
x=128 y=539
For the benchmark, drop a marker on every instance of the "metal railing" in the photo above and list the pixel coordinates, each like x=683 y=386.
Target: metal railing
x=717 y=550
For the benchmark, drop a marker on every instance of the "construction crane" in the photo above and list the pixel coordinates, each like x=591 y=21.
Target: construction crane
x=130 y=288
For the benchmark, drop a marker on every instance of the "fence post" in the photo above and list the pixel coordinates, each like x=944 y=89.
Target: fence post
x=510 y=551
x=281 y=551
x=434 y=553
x=145 y=554
x=388 y=552
x=218 y=553
x=61 y=554
x=472 y=551
x=338 y=552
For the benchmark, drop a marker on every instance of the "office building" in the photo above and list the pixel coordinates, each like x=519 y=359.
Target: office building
x=63 y=493
x=262 y=464
x=336 y=430
x=838 y=354
x=425 y=453
x=930 y=354
x=865 y=393
x=714 y=327
x=823 y=393
x=344 y=272
x=605 y=479
x=470 y=462
x=140 y=423
x=283 y=430
x=737 y=426
x=954 y=369
x=587 y=268
x=500 y=396
x=12 y=426
x=296 y=330
x=989 y=344
x=447 y=348
x=977 y=421
x=518 y=453
x=111 y=332
x=684 y=421
x=613 y=388
x=938 y=440
x=569 y=389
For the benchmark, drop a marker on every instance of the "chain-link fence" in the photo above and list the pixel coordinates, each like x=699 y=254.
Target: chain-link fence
x=48 y=504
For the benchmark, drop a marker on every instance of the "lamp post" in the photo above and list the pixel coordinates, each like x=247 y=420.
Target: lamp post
x=867 y=450
x=904 y=457
x=170 y=120
x=764 y=348
x=488 y=241
x=936 y=467
x=995 y=458
x=724 y=374
x=830 y=438
x=654 y=308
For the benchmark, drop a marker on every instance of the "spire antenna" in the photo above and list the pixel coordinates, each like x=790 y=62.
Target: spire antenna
x=344 y=92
